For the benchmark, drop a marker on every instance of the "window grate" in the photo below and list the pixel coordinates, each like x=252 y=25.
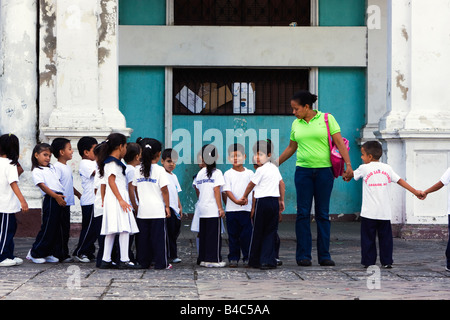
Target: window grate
x=242 y=12
x=236 y=91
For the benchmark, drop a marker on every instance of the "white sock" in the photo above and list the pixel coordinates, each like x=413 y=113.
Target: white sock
x=108 y=246
x=124 y=242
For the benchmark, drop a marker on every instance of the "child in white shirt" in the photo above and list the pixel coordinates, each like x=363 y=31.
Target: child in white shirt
x=444 y=181
x=11 y=198
x=48 y=241
x=239 y=224
x=62 y=150
x=269 y=203
x=376 y=209
x=208 y=182
x=118 y=217
x=150 y=182
x=85 y=250
x=169 y=158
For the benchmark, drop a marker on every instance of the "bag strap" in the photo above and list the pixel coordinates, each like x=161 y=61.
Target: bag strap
x=328 y=129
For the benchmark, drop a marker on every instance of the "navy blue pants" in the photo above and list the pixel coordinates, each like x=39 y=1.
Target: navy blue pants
x=62 y=251
x=263 y=246
x=317 y=184
x=90 y=231
x=151 y=243
x=8 y=227
x=239 y=228
x=173 y=231
x=370 y=228
x=210 y=240
x=49 y=239
x=447 y=252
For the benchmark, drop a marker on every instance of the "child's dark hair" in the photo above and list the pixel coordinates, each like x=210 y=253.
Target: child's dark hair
x=169 y=154
x=150 y=148
x=133 y=149
x=9 y=146
x=38 y=149
x=59 y=144
x=85 y=144
x=264 y=146
x=209 y=156
x=236 y=147
x=373 y=148
x=112 y=142
x=304 y=97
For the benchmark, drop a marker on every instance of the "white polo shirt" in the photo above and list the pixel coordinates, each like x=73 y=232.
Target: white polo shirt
x=65 y=176
x=87 y=172
x=174 y=187
x=9 y=203
x=151 y=202
x=49 y=177
x=445 y=179
x=267 y=181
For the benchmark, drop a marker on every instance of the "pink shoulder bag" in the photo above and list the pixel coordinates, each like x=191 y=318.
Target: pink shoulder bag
x=337 y=161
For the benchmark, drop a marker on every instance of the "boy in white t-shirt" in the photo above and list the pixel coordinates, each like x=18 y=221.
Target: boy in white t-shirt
x=239 y=224
x=62 y=150
x=268 y=187
x=376 y=209
x=169 y=158
x=444 y=181
x=85 y=250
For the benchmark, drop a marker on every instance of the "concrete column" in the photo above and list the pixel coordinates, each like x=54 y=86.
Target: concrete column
x=415 y=128
x=377 y=32
x=79 y=72
x=18 y=81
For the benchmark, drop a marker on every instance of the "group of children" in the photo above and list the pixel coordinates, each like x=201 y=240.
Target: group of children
x=128 y=201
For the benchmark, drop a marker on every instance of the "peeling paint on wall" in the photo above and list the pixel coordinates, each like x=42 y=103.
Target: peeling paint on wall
x=48 y=18
x=399 y=79
x=107 y=27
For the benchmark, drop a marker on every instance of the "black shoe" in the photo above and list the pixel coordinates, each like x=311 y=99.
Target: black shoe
x=327 y=263
x=265 y=266
x=129 y=265
x=304 y=263
x=106 y=265
x=387 y=266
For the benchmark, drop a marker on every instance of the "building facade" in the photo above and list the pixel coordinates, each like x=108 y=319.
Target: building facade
x=93 y=67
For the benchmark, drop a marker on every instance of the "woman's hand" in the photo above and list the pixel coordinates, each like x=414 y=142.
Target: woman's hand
x=348 y=173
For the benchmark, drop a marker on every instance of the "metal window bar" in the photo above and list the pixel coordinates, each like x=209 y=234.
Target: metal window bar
x=242 y=12
x=212 y=91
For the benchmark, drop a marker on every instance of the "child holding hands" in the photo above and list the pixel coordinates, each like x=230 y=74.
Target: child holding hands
x=444 y=181
x=376 y=211
x=45 y=177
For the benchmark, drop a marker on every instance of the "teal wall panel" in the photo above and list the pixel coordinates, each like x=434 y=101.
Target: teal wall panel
x=142 y=12
x=348 y=13
x=141 y=100
x=342 y=93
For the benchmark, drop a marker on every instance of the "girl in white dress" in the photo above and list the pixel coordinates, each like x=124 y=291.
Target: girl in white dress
x=117 y=212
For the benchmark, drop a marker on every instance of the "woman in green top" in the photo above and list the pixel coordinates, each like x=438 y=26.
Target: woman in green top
x=313 y=176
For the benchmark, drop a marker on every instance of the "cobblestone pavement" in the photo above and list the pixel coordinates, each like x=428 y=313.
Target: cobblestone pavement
x=418 y=273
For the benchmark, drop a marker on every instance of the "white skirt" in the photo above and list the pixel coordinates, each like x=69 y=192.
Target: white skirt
x=115 y=220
